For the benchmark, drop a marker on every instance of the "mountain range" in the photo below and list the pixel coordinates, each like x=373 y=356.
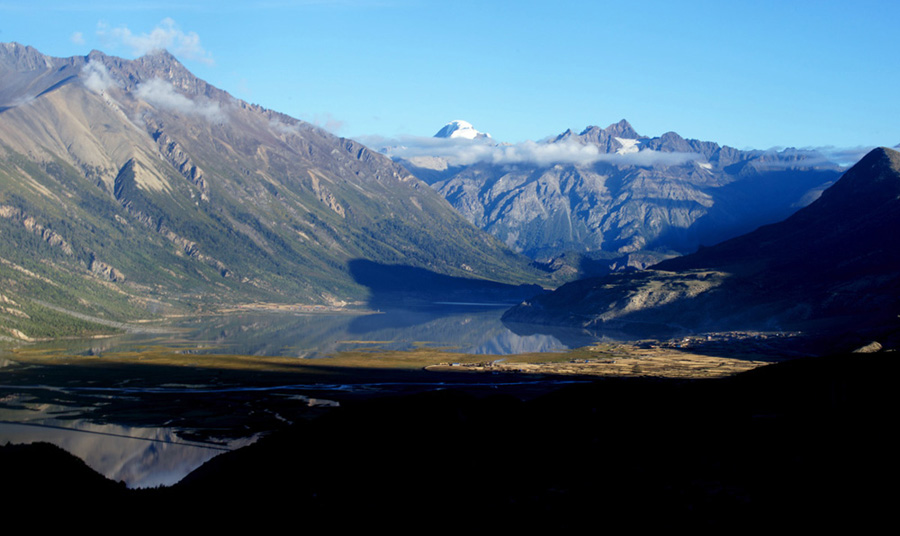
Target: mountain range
x=613 y=195
x=132 y=187
x=831 y=264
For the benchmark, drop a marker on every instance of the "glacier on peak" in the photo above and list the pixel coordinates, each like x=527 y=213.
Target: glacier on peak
x=460 y=129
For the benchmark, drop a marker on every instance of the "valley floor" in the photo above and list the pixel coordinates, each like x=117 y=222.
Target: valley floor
x=710 y=356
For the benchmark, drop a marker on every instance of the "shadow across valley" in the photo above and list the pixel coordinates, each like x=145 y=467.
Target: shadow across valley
x=400 y=286
x=577 y=337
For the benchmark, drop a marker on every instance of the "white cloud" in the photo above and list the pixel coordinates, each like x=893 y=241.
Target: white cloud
x=162 y=94
x=328 y=122
x=463 y=152
x=285 y=128
x=166 y=36
x=96 y=77
x=77 y=38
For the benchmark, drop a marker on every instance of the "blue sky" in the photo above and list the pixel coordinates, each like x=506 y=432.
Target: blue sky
x=747 y=74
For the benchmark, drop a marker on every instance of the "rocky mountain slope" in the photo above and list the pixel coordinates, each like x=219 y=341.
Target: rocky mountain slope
x=614 y=194
x=129 y=187
x=834 y=262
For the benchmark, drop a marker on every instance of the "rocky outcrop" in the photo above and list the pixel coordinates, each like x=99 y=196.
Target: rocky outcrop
x=10 y=307
x=175 y=155
x=28 y=222
x=105 y=271
x=325 y=196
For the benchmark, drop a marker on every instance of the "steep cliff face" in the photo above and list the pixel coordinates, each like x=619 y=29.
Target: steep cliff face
x=136 y=172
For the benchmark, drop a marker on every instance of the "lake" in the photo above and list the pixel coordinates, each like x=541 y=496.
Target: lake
x=464 y=327
x=119 y=426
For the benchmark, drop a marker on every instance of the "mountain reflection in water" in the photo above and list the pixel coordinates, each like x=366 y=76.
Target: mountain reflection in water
x=467 y=328
x=140 y=457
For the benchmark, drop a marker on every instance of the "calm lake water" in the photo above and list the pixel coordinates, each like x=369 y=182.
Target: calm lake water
x=465 y=327
x=152 y=455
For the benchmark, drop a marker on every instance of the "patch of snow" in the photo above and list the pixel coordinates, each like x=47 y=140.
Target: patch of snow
x=629 y=145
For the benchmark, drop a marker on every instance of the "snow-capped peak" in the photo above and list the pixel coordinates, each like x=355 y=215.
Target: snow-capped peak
x=460 y=129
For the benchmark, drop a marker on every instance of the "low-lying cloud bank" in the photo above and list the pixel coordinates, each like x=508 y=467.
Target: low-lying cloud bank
x=464 y=152
x=844 y=156
x=828 y=156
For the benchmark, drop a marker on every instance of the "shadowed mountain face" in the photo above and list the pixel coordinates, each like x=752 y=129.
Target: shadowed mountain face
x=835 y=261
x=614 y=194
x=128 y=184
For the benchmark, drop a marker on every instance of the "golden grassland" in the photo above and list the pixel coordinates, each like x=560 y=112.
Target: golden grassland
x=617 y=360
x=620 y=359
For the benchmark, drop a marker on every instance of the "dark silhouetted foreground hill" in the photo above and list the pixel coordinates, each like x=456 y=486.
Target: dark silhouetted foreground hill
x=799 y=445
